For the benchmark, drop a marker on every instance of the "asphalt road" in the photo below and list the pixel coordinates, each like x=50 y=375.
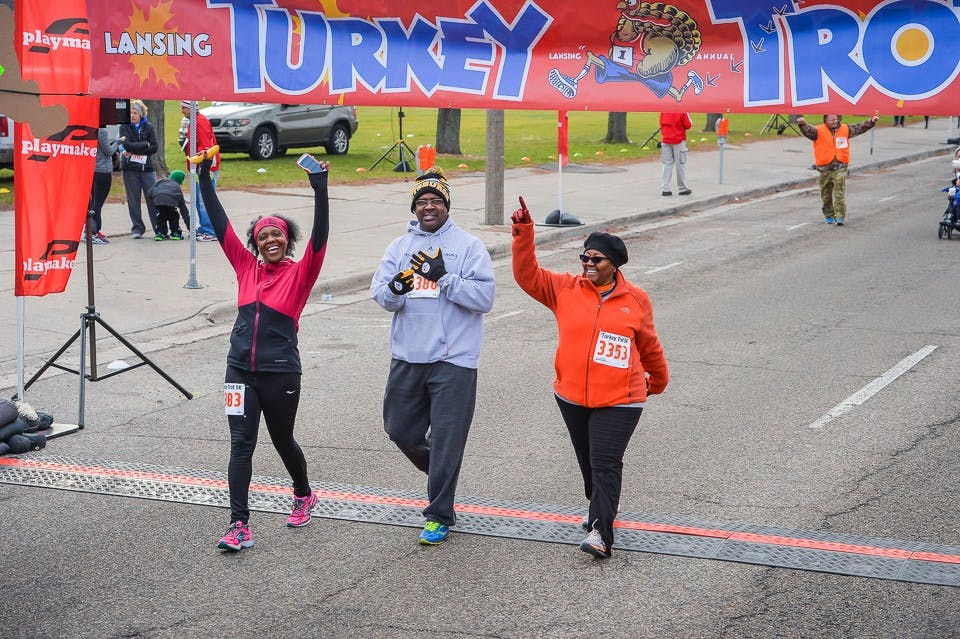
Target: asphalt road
x=769 y=319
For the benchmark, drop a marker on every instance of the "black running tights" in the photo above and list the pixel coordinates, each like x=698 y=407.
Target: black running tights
x=276 y=396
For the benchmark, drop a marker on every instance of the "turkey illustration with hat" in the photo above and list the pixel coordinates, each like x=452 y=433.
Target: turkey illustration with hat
x=608 y=362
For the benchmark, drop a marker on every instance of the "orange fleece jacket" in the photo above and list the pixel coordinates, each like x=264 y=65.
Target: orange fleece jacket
x=582 y=315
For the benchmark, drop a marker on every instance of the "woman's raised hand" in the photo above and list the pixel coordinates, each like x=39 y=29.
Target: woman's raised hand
x=521 y=215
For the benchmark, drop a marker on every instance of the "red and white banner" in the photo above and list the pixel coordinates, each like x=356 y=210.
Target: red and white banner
x=840 y=56
x=53 y=174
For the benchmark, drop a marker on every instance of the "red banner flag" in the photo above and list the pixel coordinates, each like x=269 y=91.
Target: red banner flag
x=562 y=128
x=702 y=56
x=53 y=174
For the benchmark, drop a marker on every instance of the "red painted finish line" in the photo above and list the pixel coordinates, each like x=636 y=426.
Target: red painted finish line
x=513 y=513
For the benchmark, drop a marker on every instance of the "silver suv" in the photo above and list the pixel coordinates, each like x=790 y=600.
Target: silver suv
x=267 y=130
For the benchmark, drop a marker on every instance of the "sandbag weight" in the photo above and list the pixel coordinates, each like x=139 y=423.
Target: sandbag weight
x=19 y=444
x=38 y=441
x=16 y=427
x=8 y=413
x=45 y=420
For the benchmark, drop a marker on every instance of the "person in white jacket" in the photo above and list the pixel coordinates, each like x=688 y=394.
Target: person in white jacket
x=438 y=282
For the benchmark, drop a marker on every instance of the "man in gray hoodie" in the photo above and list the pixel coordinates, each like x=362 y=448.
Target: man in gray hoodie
x=437 y=280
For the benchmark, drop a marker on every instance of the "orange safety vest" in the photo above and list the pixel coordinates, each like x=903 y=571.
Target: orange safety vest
x=831 y=145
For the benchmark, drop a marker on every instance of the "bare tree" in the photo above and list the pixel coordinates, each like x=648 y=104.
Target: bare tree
x=711 y=123
x=156 y=117
x=617 y=128
x=448 y=131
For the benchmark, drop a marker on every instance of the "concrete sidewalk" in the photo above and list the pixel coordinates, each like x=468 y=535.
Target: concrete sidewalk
x=139 y=284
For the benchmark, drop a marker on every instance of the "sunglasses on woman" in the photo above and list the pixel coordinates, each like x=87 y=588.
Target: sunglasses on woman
x=593 y=259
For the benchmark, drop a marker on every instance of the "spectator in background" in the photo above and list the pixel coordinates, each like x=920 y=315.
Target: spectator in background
x=205 y=140
x=168 y=198
x=102 y=180
x=898 y=120
x=139 y=145
x=673 y=150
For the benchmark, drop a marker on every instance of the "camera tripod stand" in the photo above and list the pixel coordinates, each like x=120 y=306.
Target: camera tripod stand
x=653 y=136
x=400 y=145
x=88 y=324
x=779 y=123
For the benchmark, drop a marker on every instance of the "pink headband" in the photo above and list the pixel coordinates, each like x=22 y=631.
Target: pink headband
x=270 y=220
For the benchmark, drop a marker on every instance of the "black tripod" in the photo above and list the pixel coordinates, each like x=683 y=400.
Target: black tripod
x=88 y=322
x=779 y=123
x=652 y=137
x=403 y=165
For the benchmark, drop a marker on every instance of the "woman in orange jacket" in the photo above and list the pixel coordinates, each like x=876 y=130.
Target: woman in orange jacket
x=608 y=361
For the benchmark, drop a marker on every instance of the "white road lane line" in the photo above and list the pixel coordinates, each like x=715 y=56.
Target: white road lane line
x=504 y=316
x=657 y=269
x=873 y=387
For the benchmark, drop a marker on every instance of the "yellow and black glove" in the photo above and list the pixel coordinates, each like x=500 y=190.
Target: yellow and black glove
x=402 y=282
x=429 y=266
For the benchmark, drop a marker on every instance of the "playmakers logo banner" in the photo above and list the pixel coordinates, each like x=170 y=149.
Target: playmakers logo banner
x=75 y=143
x=59 y=256
x=68 y=33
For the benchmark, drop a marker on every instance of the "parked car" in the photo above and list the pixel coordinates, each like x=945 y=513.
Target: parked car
x=6 y=143
x=268 y=130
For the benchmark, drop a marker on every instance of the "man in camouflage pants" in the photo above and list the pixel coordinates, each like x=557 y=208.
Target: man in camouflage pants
x=831 y=154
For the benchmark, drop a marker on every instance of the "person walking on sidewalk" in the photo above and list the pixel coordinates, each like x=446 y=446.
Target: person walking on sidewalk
x=608 y=361
x=831 y=157
x=205 y=140
x=139 y=141
x=263 y=364
x=168 y=198
x=438 y=282
x=102 y=180
x=673 y=150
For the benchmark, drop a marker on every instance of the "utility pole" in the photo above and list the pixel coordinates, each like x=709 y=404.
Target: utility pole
x=493 y=205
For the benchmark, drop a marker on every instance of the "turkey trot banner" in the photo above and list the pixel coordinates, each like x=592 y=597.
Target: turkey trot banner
x=839 y=56
x=53 y=174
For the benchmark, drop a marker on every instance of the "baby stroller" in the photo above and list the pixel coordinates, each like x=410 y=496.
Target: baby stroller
x=951 y=216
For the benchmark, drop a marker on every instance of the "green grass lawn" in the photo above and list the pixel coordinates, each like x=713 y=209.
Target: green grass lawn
x=530 y=140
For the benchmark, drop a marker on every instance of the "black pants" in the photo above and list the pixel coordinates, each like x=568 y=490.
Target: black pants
x=427 y=411
x=277 y=396
x=168 y=216
x=98 y=195
x=600 y=437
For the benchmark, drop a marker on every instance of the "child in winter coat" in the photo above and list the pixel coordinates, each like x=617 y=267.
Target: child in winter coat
x=168 y=198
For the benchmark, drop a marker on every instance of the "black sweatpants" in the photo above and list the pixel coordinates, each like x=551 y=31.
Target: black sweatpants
x=427 y=412
x=600 y=437
x=276 y=396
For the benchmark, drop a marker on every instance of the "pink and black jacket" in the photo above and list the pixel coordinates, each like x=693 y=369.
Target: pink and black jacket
x=270 y=297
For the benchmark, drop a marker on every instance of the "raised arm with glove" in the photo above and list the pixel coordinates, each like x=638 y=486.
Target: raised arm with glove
x=429 y=266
